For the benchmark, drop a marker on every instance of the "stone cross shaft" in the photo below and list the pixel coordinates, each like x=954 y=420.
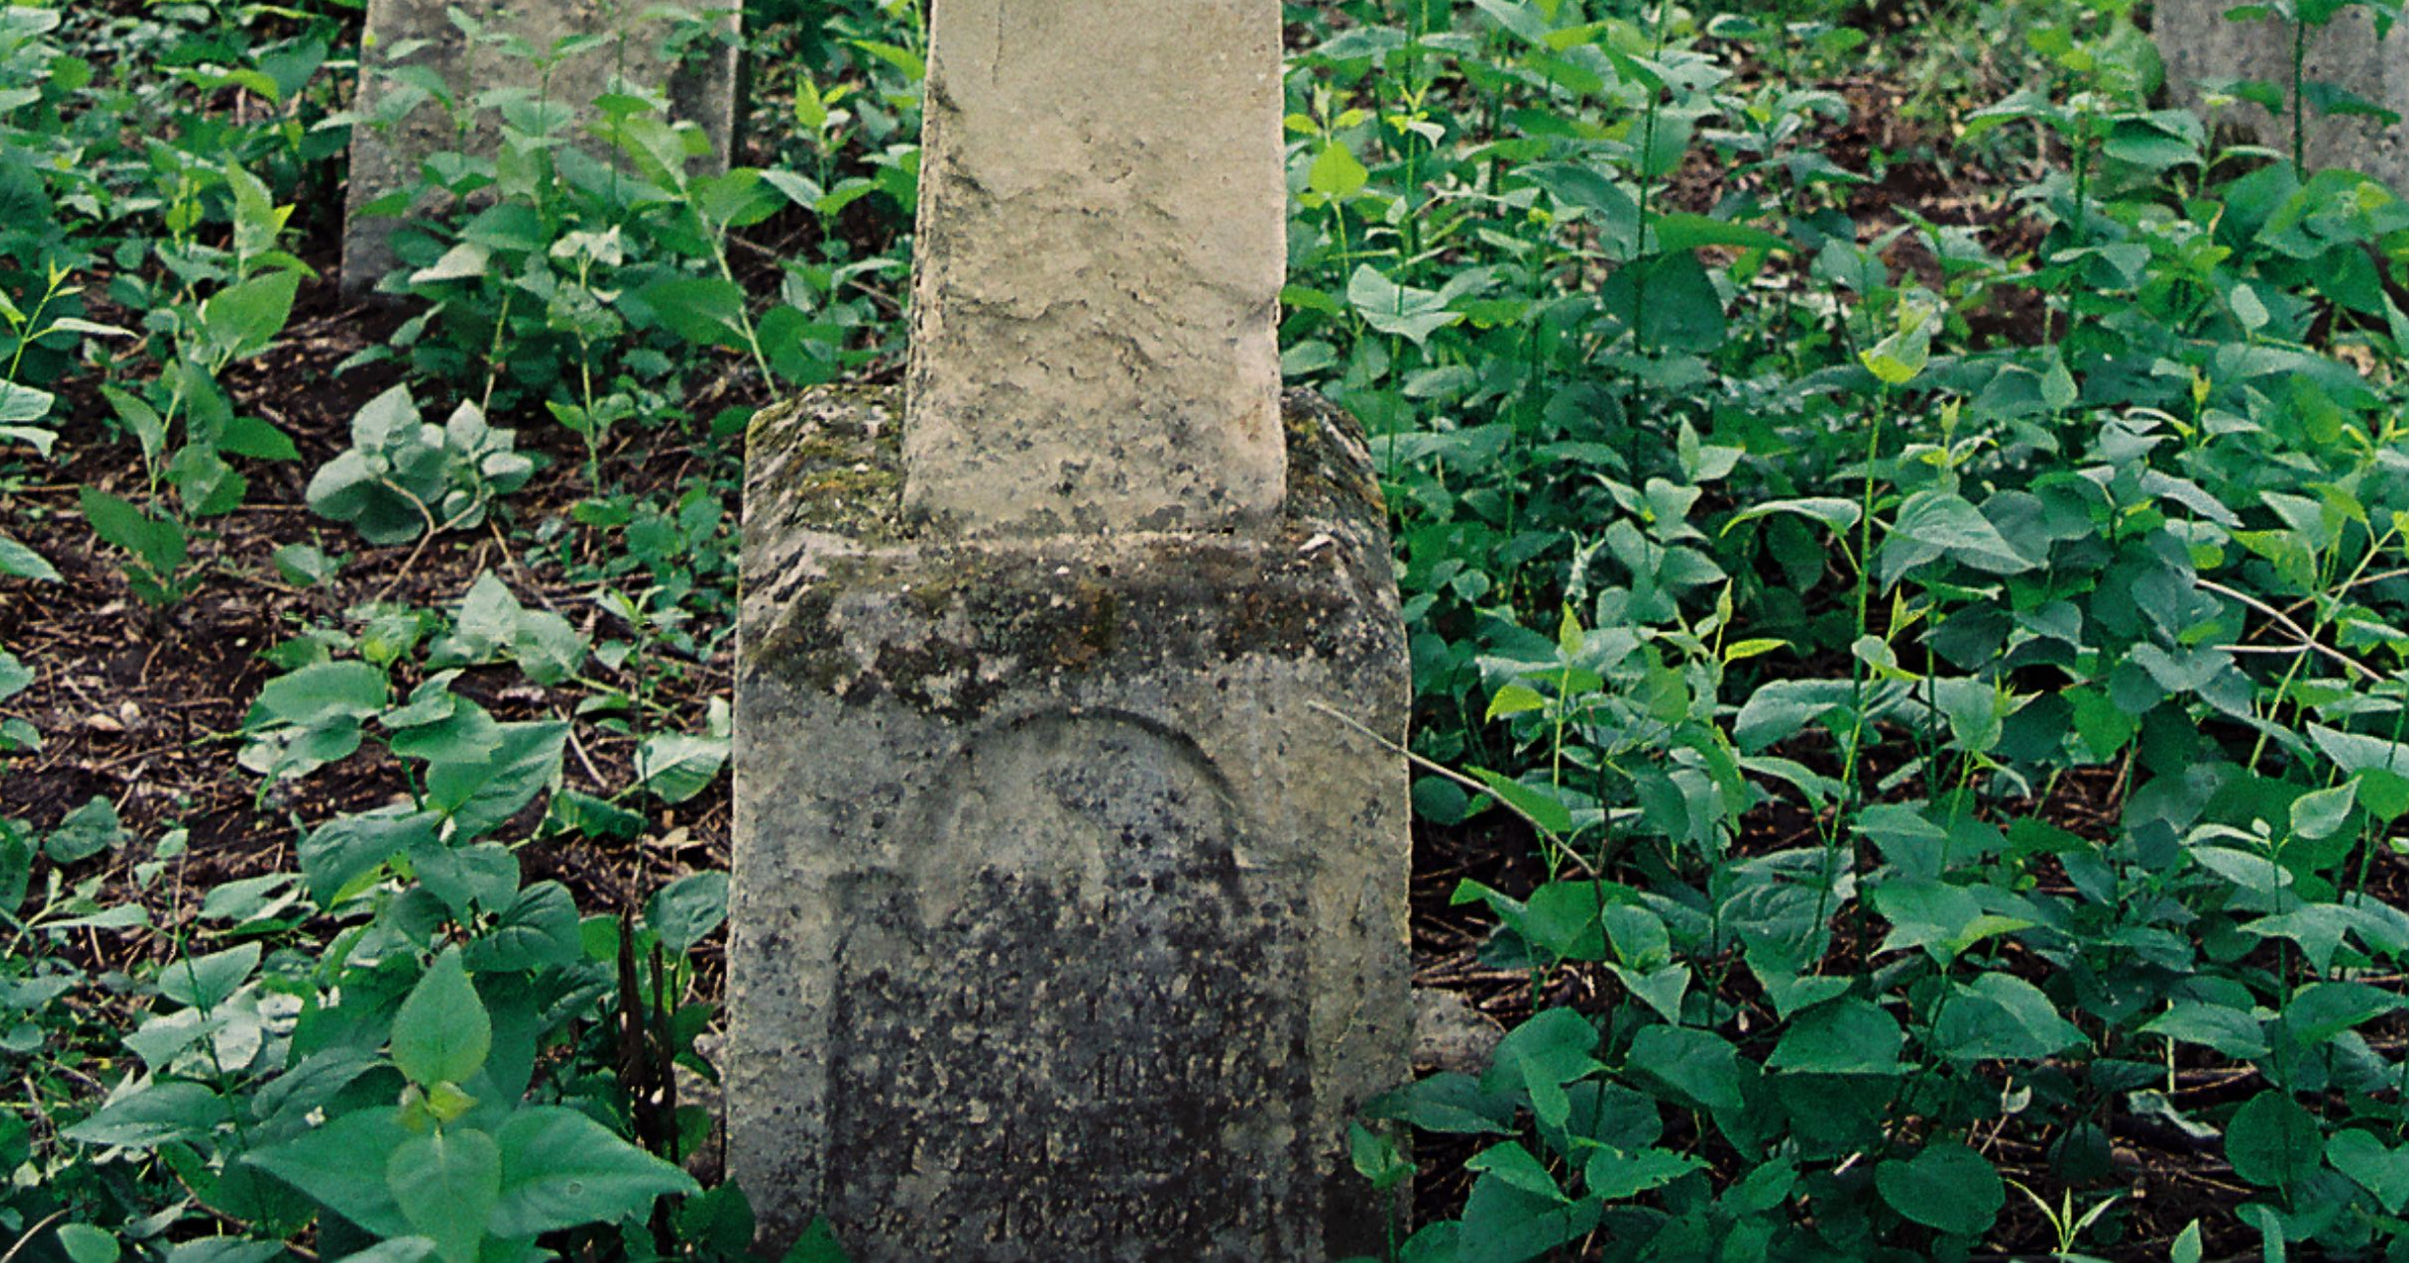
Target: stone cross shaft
x=1101 y=246
x=1068 y=905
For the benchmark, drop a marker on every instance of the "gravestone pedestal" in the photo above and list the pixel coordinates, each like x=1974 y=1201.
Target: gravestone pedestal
x=628 y=39
x=2198 y=43
x=1066 y=927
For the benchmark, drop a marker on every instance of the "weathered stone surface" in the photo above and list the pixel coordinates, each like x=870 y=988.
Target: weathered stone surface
x=1065 y=925
x=1100 y=260
x=701 y=88
x=1450 y=1036
x=2197 y=42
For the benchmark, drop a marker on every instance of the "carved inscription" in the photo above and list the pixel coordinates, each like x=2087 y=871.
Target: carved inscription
x=1080 y=1035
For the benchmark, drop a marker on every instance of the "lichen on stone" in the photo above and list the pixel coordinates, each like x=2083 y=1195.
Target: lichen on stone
x=844 y=591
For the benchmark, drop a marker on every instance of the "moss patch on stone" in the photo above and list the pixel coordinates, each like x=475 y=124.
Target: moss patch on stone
x=844 y=594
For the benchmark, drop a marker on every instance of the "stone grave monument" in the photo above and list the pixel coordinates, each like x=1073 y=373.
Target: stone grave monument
x=2199 y=43
x=628 y=43
x=1069 y=917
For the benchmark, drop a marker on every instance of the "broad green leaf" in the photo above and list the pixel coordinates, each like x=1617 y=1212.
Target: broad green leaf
x=490 y=622
x=1977 y=711
x=1337 y=173
x=1542 y=807
x=913 y=67
x=674 y=767
x=242 y=320
x=560 y=1169
x=87 y=831
x=1670 y=301
x=1551 y=1047
x=479 y=794
x=538 y=929
x=2102 y=725
x=21 y=405
x=306 y=565
x=347 y=848
x=685 y=911
x=1505 y=1224
x=1588 y=190
x=85 y=1243
x=1947 y=1187
x=720 y=1220
x=2378 y=766
x=1843 y=1037
x=323 y=691
x=1413 y=314
x=595 y=818
x=342 y=1165
x=2000 y=1016
x=2057 y=384
x=24 y=563
x=2229 y=1031
x=1701 y=1065
x=1781 y=709
x=1451 y=1103
x=796 y=188
x=1514 y=699
x=1517 y=16
x=206 y=982
x=2273 y=1142
x=2318 y=928
x=468 y=879
x=2320 y=1011
x=1901 y=357
x=2248 y=309
x=1935 y=523
x=463 y=262
x=1755 y=647
x=2257 y=873
x=1925 y=913
x=442 y=728
x=2188 y=1246
x=446 y=1185
x=1561 y=918
x=2357 y=753
x=252 y=437
x=487 y=617
x=442 y=1033
x=159 y=542
x=151 y=1115
x=2322 y=813
x=1613 y=1175
x=1687 y=230
x=706 y=311
x=2025 y=104
x=818 y=1244
x=1516 y=1166
x=2379 y=1168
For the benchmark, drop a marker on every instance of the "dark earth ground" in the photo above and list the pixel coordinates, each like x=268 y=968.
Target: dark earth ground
x=142 y=707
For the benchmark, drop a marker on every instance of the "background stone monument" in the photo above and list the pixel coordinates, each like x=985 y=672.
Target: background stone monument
x=1066 y=925
x=2199 y=43
x=630 y=34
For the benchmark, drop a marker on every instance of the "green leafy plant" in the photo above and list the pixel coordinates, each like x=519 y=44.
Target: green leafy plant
x=404 y=477
x=231 y=306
